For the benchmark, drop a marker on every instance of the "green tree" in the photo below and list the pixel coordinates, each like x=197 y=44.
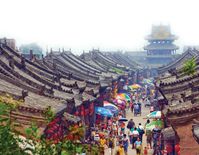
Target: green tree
x=9 y=141
x=189 y=67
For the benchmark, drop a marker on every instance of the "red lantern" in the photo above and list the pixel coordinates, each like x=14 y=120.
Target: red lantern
x=177 y=147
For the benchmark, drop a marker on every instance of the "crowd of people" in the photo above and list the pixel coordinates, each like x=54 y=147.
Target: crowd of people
x=134 y=139
x=117 y=136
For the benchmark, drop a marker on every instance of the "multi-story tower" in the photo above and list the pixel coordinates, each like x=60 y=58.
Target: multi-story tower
x=160 y=50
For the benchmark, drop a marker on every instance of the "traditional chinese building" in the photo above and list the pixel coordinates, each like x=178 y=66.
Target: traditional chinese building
x=10 y=42
x=160 y=50
x=61 y=82
x=181 y=108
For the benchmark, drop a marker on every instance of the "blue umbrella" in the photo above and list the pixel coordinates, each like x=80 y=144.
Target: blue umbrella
x=103 y=111
x=112 y=109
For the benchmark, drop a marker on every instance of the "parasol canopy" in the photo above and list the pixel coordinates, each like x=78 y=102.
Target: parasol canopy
x=155 y=114
x=123 y=120
x=113 y=108
x=119 y=102
x=106 y=103
x=152 y=125
x=148 y=82
x=123 y=96
x=135 y=86
x=103 y=111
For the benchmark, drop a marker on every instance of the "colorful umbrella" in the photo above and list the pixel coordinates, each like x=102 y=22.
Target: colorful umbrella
x=155 y=114
x=152 y=125
x=103 y=111
x=119 y=102
x=135 y=86
x=123 y=96
x=147 y=81
x=106 y=103
x=113 y=108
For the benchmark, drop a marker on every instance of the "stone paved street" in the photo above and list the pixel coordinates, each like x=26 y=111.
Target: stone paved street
x=137 y=119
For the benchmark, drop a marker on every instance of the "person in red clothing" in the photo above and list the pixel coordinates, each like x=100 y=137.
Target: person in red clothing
x=145 y=150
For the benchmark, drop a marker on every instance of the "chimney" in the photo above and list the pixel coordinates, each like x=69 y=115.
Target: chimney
x=31 y=54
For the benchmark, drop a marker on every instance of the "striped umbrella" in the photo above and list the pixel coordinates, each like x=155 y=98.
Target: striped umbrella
x=113 y=108
x=106 y=103
x=123 y=96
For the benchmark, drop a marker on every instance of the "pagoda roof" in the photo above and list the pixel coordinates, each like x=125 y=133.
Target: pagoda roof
x=161 y=47
x=161 y=32
x=39 y=81
x=123 y=59
x=108 y=62
x=189 y=53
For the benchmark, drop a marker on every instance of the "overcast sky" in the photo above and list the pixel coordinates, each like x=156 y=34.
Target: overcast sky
x=105 y=24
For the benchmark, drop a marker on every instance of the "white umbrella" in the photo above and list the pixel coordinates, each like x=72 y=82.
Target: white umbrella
x=155 y=114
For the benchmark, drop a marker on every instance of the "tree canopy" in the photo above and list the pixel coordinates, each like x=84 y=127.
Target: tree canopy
x=189 y=67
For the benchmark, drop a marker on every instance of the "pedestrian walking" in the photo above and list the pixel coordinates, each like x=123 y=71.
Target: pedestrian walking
x=155 y=135
x=136 y=109
x=130 y=124
x=132 y=107
x=147 y=122
x=120 y=150
x=131 y=135
x=111 y=144
x=140 y=107
x=103 y=143
x=135 y=135
x=145 y=150
x=125 y=144
x=149 y=138
x=115 y=128
x=141 y=131
x=138 y=145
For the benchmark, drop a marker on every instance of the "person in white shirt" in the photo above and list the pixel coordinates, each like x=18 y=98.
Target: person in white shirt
x=140 y=126
x=135 y=135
